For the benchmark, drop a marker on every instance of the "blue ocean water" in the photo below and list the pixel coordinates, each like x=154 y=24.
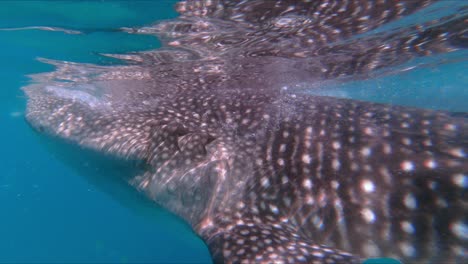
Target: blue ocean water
x=49 y=212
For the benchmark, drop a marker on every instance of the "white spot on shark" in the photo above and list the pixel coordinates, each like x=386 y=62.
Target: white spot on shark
x=407 y=165
x=367 y=186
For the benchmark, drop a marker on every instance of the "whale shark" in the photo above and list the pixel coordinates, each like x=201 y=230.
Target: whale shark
x=227 y=136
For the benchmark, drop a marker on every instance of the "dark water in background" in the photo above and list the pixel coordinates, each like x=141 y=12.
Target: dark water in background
x=51 y=213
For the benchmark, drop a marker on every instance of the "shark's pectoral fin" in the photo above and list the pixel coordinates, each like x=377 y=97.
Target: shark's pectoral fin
x=252 y=242
x=181 y=170
x=175 y=144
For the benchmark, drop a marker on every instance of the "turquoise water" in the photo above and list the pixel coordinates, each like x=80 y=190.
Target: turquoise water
x=49 y=212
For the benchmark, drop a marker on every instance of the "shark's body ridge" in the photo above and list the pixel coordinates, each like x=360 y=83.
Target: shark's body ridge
x=263 y=171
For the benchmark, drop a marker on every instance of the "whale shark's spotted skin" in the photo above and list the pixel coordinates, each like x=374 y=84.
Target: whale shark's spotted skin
x=264 y=172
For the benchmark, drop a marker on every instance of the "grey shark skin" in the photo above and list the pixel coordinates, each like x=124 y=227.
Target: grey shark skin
x=262 y=171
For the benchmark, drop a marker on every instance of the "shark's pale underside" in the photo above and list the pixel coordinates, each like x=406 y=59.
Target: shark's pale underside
x=230 y=141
